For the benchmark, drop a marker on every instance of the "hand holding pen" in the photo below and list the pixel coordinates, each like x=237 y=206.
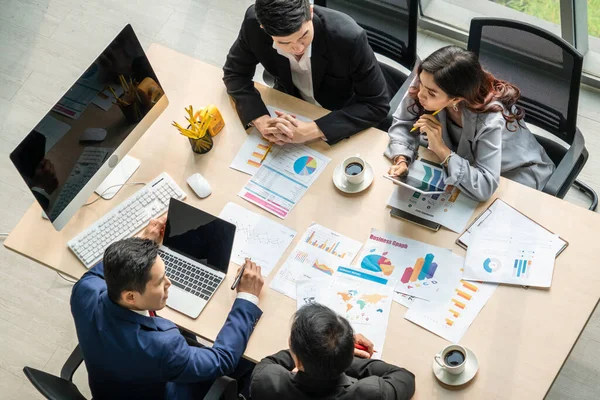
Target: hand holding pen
x=249 y=279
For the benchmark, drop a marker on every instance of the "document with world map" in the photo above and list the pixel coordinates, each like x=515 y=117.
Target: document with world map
x=364 y=304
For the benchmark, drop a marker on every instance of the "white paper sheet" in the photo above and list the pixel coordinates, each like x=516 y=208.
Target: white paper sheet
x=318 y=254
x=257 y=237
x=510 y=257
x=450 y=315
x=410 y=267
x=280 y=183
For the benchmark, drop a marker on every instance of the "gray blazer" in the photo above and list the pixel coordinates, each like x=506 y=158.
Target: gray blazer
x=486 y=150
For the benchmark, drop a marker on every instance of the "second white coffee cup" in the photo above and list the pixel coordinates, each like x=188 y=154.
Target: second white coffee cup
x=452 y=359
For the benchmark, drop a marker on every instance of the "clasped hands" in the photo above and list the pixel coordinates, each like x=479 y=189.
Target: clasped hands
x=286 y=128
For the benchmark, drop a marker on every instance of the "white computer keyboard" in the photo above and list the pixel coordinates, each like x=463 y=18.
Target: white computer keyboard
x=126 y=219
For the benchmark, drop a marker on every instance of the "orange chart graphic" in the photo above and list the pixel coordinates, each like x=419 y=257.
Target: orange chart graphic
x=258 y=154
x=460 y=300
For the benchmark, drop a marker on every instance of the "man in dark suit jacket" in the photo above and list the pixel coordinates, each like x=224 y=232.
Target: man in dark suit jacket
x=129 y=352
x=317 y=54
x=323 y=363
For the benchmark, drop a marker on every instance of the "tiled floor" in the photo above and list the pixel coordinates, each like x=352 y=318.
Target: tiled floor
x=44 y=46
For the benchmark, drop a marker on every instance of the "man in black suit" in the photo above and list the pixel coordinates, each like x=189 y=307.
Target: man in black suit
x=323 y=363
x=317 y=54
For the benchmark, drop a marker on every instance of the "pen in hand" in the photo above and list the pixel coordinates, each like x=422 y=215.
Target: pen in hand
x=434 y=114
x=238 y=278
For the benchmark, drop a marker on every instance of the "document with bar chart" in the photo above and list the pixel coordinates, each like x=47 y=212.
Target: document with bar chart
x=451 y=210
x=450 y=315
x=513 y=258
x=319 y=254
x=411 y=267
x=253 y=153
x=257 y=237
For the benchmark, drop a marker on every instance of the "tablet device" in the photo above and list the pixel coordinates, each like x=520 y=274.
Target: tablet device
x=415 y=184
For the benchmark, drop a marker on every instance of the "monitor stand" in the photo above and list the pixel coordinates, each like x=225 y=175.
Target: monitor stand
x=117 y=178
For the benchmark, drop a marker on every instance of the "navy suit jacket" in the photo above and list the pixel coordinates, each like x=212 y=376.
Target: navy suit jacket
x=131 y=356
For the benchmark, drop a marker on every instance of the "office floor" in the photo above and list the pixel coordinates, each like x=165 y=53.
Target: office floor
x=44 y=46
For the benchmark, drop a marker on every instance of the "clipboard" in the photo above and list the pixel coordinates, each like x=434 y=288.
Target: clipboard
x=464 y=237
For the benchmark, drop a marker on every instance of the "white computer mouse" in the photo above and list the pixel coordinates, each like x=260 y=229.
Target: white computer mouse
x=199 y=185
x=93 y=135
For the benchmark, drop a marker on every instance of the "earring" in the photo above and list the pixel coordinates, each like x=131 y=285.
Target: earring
x=454 y=107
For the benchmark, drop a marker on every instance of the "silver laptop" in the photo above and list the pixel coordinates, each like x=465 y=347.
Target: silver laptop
x=196 y=251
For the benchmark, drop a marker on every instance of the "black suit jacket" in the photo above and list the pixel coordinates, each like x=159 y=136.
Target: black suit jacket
x=346 y=75
x=272 y=379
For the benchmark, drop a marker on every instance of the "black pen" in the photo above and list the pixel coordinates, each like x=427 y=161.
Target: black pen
x=239 y=275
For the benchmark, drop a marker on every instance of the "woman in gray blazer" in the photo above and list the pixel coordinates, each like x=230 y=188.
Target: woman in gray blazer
x=478 y=132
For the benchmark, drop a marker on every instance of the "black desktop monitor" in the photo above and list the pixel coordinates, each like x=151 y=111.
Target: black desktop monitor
x=90 y=129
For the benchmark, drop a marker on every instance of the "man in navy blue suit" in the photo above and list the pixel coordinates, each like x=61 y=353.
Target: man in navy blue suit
x=132 y=354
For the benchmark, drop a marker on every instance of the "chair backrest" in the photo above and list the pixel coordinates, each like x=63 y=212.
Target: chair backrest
x=391 y=25
x=546 y=69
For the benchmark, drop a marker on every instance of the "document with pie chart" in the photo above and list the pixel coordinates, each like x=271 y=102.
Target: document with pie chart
x=510 y=257
x=410 y=267
x=281 y=181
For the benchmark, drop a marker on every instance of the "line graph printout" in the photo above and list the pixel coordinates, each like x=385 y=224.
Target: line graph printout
x=257 y=237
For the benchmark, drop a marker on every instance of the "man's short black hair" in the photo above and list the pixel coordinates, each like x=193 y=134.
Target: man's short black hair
x=282 y=17
x=127 y=265
x=322 y=341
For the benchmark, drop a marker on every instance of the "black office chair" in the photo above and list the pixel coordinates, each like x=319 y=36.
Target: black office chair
x=391 y=27
x=55 y=388
x=547 y=69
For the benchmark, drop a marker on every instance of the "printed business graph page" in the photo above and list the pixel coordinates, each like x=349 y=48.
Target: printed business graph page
x=256 y=149
x=452 y=209
x=257 y=237
x=318 y=254
x=510 y=257
x=281 y=182
x=450 y=315
x=411 y=267
x=366 y=305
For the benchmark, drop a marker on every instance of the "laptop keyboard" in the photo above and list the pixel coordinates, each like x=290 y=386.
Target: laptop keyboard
x=189 y=277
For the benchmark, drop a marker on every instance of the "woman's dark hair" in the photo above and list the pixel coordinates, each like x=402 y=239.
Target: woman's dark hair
x=459 y=74
x=322 y=340
x=282 y=17
x=127 y=265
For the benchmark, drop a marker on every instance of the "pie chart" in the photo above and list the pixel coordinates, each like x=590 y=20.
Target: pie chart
x=305 y=165
x=491 y=265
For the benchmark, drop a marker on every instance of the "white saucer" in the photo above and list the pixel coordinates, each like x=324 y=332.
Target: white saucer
x=458 y=380
x=339 y=180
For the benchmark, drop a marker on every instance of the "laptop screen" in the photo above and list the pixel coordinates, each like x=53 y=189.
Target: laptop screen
x=198 y=235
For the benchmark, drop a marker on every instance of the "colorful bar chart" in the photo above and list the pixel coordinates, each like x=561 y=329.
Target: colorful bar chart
x=329 y=248
x=424 y=268
x=521 y=268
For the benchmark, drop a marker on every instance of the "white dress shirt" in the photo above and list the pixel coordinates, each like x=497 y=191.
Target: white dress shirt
x=301 y=73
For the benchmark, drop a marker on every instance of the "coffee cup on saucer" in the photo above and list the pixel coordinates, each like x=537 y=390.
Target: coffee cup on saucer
x=455 y=365
x=354 y=169
x=452 y=359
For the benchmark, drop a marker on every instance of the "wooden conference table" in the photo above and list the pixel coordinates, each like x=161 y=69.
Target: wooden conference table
x=521 y=337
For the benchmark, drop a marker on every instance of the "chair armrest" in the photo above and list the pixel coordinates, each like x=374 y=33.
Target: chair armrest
x=564 y=170
x=224 y=388
x=71 y=365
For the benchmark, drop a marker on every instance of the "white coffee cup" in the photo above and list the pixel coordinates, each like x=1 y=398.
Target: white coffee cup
x=448 y=367
x=354 y=169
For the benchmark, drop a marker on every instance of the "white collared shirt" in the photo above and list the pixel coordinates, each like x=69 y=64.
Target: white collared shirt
x=301 y=73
